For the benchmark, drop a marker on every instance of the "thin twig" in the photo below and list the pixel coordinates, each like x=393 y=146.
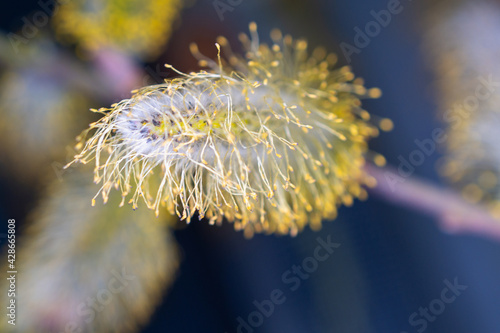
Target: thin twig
x=454 y=214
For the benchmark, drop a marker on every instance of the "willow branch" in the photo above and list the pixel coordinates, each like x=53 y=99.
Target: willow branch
x=455 y=215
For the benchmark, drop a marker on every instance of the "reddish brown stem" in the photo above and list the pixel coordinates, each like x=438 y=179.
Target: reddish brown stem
x=454 y=214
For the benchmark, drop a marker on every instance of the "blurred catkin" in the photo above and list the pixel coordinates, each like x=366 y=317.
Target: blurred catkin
x=40 y=112
x=137 y=27
x=90 y=269
x=463 y=44
x=273 y=141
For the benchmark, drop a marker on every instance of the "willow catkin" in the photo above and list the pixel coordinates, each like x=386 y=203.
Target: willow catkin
x=463 y=44
x=272 y=141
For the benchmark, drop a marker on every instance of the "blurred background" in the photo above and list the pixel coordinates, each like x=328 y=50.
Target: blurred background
x=392 y=262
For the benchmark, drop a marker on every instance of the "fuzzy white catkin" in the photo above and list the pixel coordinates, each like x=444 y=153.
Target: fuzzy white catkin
x=272 y=141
